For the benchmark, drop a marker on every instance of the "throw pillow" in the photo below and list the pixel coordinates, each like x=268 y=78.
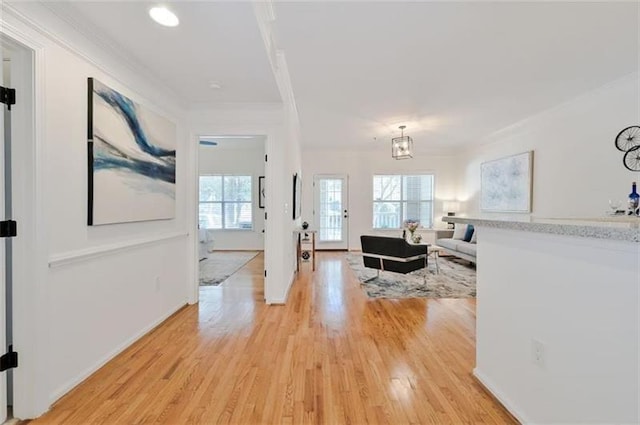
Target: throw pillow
x=459 y=231
x=474 y=238
x=469 y=233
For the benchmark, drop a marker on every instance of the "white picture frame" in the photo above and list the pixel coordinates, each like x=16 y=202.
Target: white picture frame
x=506 y=184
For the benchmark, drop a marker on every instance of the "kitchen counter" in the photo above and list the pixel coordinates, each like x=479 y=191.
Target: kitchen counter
x=623 y=228
x=558 y=316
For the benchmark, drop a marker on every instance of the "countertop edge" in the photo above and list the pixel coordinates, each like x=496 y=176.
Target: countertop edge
x=597 y=230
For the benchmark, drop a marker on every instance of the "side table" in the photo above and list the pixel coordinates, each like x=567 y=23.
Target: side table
x=310 y=238
x=433 y=251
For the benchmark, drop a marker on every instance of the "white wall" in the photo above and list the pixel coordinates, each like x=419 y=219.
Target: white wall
x=577 y=168
x=106 y=285
x=245 y=161
x=292 y=165
x=285 y=161
x=360 y=167
x=579 y=298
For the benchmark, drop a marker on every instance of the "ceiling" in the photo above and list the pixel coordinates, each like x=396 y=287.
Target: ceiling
x=215 y=41
x=452 y=72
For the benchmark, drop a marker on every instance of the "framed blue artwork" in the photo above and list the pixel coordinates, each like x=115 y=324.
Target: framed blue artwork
x=131 y=158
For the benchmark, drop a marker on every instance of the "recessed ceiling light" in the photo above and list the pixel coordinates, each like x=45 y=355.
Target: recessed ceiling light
x=164 y=16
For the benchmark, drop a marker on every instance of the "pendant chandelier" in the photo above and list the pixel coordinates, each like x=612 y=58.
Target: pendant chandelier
x=402 y=147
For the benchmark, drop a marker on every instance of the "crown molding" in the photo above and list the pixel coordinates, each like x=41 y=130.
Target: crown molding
x=235 y=106
x=96 y=39
x=497 y=137
x=265 y=17
x=358 y=150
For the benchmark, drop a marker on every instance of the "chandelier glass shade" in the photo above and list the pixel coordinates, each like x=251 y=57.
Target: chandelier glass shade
x=402 y=147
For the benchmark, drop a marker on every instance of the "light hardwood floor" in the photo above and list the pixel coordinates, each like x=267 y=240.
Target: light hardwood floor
x=330 y=355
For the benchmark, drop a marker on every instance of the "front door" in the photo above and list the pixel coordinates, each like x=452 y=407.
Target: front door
x=331 y=211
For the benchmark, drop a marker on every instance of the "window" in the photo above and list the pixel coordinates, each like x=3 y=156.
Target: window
x=225 y=202
x=397 y=198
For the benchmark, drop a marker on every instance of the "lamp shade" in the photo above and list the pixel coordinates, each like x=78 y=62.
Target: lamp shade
x=451 y=206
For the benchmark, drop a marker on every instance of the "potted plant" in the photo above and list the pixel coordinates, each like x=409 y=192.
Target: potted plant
x=412 y=226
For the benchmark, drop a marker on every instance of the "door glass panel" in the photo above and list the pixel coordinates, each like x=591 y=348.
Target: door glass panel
x=330 y=210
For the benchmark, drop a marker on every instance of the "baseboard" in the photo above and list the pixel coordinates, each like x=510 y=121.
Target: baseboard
x=65 y=388
x=490 y=388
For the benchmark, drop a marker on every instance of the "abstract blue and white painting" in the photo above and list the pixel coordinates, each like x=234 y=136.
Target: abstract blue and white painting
x=506 y=184
x=132 y=160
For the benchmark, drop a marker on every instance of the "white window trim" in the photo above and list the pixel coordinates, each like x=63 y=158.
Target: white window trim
x=402 y=201
x=223 y=202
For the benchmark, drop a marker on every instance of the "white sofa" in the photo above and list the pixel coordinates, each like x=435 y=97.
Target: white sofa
x=205 y=236
x=454 y=245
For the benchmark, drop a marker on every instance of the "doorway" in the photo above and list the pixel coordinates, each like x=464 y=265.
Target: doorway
x=5 y=248
x=331 y=211
x=24 y=269
x=231 y=218
x=17 y=256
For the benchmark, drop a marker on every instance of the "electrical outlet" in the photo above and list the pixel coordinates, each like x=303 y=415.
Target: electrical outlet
x=537 y=352
x=157 y=283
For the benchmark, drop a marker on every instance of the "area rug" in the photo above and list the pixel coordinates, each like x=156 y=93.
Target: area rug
x=457 y=279
x=219 y=265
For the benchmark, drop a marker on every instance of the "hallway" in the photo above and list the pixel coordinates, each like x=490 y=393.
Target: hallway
x=329 y=356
